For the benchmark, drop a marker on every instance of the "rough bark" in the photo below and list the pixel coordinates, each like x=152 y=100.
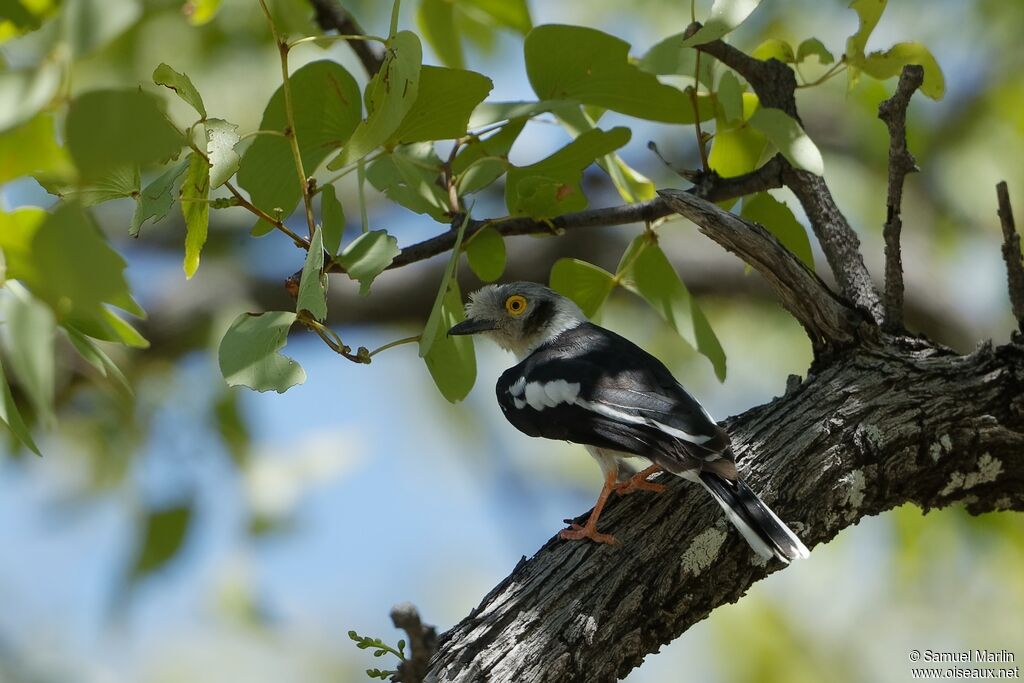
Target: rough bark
x=871 y=429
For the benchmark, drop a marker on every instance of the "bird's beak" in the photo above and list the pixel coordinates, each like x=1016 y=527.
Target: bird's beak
x=472 y=326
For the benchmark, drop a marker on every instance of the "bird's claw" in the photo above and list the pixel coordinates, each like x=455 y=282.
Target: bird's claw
x=634 y=485
x=577 y=533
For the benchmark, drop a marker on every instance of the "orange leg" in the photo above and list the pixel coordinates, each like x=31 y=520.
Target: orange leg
x=638 y=482
x=589 y=530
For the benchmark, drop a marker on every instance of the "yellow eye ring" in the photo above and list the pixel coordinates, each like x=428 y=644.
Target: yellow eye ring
x=515 y=305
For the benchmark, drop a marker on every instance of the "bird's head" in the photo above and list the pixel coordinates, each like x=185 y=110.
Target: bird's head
x=519 y=316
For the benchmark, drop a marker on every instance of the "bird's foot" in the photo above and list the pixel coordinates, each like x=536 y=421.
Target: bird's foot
x=577 y=533
x=638 y=482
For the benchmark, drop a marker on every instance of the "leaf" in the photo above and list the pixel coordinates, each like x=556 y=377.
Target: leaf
x=110 y=128
x=436 y=19
x=119 y=330
x=779 y=220
x=493 y=112
x=333 y=217
x=632 y=186
x=442 y=108
x=23 y=93
x=868 y=14
x=327 y=108
x=313 y=283
x=592 y=67
x=32 y=148
x=513 y=14
x=408 y=176
x=200 y=12
x=583 y=282
x=890 y=63
x=390 y=95
x=119 y=183
x=221 y=138
x=670 y=57
x=774 y=48
x=433 y=329
x=786 y=134
x=813 y=46
x=10 y=416
x=368 y=256
x=451 y=360
x=726 y=15
x=160 y=538
x=94 y=355
x=736 y=151
x=646 y=271
x=730 y=96
x=551 y=186
x=89 y=25
x=485 y=252
x=29 y=332
x=249 y=355
x=156 y=198
x=196 y=210
x=483 y=160
x=182 y=85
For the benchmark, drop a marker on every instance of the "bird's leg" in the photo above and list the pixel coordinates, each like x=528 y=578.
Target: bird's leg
x=639 y=482
x=589 y=530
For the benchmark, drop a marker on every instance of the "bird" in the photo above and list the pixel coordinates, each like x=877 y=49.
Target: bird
x=576 y=381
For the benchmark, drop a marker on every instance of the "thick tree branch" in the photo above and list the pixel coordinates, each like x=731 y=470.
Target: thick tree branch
x=893 y=112
x=1011 y=254
x=828 y=321
x=422 y=643
x=332 y=16
x=905 y=422
x=775 y=86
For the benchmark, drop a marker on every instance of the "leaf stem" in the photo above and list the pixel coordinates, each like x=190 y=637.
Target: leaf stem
x=364 y=219
x=394 y=18
x=354 y=167
x=246 y=204
x=254 y=133
x=332 y=38
x=701 y=147
x=398 y=342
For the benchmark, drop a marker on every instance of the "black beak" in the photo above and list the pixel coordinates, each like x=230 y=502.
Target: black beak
x=472 y=326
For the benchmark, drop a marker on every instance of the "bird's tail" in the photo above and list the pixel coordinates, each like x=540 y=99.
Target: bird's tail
x=762 y=529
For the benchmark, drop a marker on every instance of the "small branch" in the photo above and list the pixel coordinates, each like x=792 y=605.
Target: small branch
x=331 y=16
x=422 y=643
x=1012 y=255
x=828 y=321
x=255 y=210
x=893 y=112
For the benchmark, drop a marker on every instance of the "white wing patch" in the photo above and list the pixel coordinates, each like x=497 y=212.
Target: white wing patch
x=541 y=395
x=608 y=411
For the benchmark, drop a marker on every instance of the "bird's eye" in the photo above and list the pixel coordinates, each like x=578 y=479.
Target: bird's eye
x=515 y=305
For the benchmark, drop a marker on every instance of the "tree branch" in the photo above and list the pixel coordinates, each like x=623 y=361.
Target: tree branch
x=828 y=321
x=332 y=16
x=907 y=422
x=422 y=643
x=1011 y=254
x=893 y=112
x=774 y=83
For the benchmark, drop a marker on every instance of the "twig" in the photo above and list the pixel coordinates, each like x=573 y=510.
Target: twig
x=893 y=112
x=331 y=16
x=1012 y=255
x=422 y=643
x=252 y=208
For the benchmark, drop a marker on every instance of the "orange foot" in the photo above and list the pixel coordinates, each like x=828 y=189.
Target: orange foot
x=638 y=482
x=578 y=533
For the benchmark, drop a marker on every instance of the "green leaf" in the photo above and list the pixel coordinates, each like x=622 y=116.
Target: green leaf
x=156 y=198
x=249 y=355
x=30 y=331
x=368 y=256
x=327 y=108
x=485 y=252
x=583 y=282
x=483 y=160
x=646 y=271
x=194 y=191
x=433 y=329
x=730 y=96
x=313 y=283
x=408 y=176
x=774 y=48
x=442 y=108
x=779 y=220
x=786 y=134
x=390 y=95
x=221 y=138
x=592 y=67
x=632 y=186
x=451 y=360
x=119 y=183
x=160 y=538
x=436 y=19
x=88 y=25
x=333 y=217
x=32 y=148
x=513 y=14
x=890 y=63
x=493 y=112
x=95 y=356
x=868 y=14
x=726 y=15
x=737 y=151
x=670 y=57
x=24 y=93
x=120 y=330
x=551 y=186
x=813 y=46
x=182 y=85
x=110 y=128
x=10 y=416
x=200 y=12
